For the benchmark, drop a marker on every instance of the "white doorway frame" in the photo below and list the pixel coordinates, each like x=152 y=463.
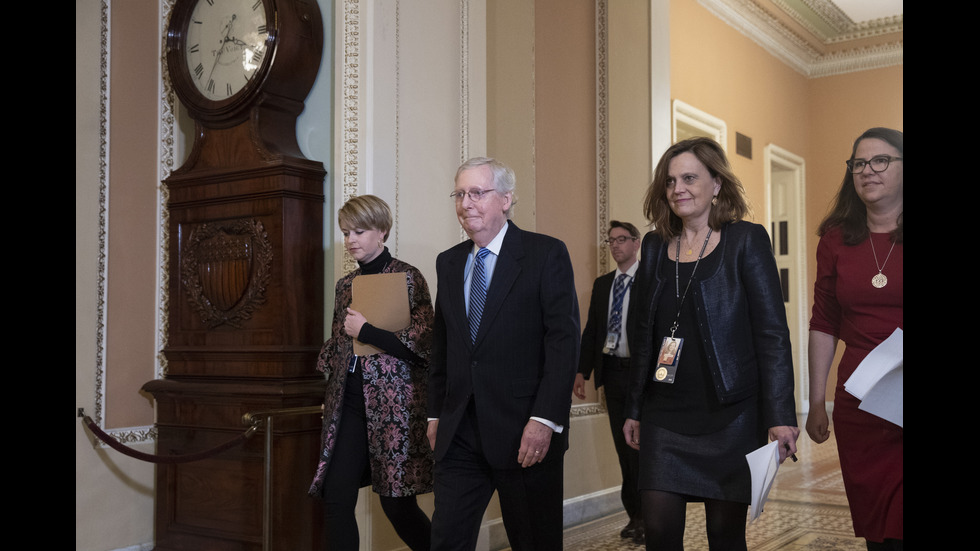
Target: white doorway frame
x=793 y=168
x=689 y=121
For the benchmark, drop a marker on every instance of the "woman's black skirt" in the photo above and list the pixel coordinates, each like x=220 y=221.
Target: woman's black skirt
x=701 y=466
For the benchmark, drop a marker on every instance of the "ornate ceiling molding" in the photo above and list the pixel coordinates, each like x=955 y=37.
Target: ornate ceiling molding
x=832 y=25
x=829 y=49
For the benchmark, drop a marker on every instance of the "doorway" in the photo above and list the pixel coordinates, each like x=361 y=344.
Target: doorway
x=689 y=121
x=786 y=220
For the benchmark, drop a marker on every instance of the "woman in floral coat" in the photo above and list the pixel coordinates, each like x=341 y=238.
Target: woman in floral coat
x=374 y=418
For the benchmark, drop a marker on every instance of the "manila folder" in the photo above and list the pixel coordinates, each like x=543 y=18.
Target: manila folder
x=383 y=300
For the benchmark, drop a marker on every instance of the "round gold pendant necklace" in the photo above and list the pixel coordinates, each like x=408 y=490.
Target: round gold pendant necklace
x=879 y=280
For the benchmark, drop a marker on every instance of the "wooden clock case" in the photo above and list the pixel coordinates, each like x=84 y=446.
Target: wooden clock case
x=246 y=315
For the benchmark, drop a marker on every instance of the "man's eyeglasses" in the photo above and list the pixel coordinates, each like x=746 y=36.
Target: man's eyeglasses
x=475 y=195
x=878 y=164
x=619 y=240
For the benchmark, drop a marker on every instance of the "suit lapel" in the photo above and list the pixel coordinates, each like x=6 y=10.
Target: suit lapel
x=605 y=286
x=457 y=300
x=602 y=319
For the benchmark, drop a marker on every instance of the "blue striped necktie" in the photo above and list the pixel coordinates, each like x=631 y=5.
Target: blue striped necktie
x=616 y=314
x=478 y=292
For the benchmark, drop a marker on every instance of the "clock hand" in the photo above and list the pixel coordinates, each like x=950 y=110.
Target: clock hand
x=221 y=50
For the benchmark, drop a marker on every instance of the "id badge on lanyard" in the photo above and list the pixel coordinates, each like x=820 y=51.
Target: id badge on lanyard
x=670 y=354
x=670 y=348
x=612 y=341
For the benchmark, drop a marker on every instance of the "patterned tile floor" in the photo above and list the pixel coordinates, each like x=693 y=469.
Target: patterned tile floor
x=806 y=511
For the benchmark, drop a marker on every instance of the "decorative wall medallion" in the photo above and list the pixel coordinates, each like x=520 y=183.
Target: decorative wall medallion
x=225 y=268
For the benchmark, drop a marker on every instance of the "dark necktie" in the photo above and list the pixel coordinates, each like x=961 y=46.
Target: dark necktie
x=616 y=314
x=478 y=292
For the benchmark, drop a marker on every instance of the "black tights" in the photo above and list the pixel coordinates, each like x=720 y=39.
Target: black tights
x=347 y=472
x=664 y=515
x=410 y=523
x=409 y=520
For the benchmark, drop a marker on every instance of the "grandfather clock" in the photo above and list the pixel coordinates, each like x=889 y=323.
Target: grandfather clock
x=246 y=277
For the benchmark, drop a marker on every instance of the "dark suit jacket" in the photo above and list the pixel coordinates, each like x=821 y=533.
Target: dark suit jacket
x=524 y=359
x=742 y=323
x=594 y=334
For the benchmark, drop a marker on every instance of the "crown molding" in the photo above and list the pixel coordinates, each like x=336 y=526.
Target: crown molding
x=803 y=56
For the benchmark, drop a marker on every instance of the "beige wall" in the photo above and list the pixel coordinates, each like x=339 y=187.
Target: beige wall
x=720 y=71
x=113 y=493
x=134 y=174
x=629 y=101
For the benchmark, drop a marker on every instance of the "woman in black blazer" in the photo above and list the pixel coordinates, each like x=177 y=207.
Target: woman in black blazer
x=707 y=290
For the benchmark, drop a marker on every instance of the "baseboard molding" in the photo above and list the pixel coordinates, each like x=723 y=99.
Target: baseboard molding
x=588 y=507
x=575 y=511
x=493 y=537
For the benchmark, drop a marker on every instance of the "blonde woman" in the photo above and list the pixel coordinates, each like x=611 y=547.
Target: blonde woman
x=374 y=420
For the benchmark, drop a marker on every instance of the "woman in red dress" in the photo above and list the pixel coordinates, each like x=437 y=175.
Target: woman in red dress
x=858 y=299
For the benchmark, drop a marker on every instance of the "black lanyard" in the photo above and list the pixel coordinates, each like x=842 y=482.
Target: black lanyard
x=677 y=278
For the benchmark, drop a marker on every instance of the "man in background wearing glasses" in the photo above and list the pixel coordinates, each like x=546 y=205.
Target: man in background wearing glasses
x=505 y=346
x=605 y=352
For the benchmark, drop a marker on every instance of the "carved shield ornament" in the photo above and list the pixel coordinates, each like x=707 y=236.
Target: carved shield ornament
x=225 y=267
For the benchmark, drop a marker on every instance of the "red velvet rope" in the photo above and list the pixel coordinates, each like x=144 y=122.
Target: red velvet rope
x=151 y=458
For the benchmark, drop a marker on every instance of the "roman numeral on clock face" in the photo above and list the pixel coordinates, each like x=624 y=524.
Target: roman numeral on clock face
x=225 y=43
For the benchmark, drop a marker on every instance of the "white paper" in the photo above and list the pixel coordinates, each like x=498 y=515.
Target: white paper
x=763 y=464
x=879 y=380
x=886 y=398
x=884 y=358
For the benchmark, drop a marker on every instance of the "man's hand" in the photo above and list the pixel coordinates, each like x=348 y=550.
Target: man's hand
x=579 y=388
x=534 y=443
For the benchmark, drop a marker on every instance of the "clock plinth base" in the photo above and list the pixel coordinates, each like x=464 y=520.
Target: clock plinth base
x=218 y=503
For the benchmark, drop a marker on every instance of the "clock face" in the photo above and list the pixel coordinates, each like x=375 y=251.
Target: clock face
x=225 y=45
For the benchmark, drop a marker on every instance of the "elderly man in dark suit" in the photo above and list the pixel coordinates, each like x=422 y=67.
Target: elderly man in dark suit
x=505 y=349
x=605 y=352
